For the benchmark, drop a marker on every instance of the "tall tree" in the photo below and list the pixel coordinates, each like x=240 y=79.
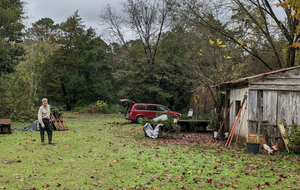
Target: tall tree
x=150 y=75
x=293 y=8
x=11 y=17
x=39 y=44
x=78 y=72
x=252 y=26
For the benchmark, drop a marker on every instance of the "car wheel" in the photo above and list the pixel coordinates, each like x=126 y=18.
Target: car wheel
x=138 y=119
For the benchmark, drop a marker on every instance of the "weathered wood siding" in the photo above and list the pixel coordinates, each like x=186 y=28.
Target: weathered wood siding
x=255 y=110
x=235 y=95
x=280 y=96
x=270 y=113
x=278 y=106
x=286 y=80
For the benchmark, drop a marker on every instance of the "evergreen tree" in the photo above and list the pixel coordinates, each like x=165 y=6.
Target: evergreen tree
x=11 y=16
x=78 y=73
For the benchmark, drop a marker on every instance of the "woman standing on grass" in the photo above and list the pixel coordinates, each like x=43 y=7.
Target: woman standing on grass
x=44 y=117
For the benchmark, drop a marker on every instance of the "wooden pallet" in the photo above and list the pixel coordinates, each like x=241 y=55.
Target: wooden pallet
x=58 y=123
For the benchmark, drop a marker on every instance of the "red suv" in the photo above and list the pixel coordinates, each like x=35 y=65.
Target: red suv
x=136 y=111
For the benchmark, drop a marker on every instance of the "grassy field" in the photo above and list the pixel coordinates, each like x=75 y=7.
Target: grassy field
x=107 y=152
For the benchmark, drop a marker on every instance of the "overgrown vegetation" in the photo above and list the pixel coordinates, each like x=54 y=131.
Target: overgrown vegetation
x=294 y=137
x=100 y=107
x=57 y=110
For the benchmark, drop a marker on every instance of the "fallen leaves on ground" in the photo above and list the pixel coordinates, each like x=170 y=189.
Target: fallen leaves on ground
x=190 y=137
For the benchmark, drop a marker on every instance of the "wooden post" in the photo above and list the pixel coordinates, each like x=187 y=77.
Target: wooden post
x=248 y=131
x=258 y=133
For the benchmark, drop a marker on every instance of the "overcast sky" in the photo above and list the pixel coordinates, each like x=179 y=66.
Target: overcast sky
x=89 y=11
x=60 y=10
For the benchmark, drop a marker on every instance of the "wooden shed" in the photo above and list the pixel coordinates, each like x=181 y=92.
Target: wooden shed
x=273 y=96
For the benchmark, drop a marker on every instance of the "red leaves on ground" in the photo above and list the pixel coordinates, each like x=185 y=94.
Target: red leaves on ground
x=219 y=185
x=283 y=176
x=45 y=186
x=196 y=180
x=267 y=183
x=209 y=181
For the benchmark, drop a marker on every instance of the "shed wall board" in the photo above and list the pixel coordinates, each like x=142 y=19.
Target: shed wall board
x=295 y=106
x=235 y=95
x=290 y=87
x=284 y=107
x=278 y=81
x=255 y=110
x=270 y=106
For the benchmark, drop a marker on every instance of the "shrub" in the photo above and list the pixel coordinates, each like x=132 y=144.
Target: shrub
x=294 y=137
x=101 y=104
x=100 y=107
x=57 y=110
x=212 y=116
x=115 y=108
x=79 y=108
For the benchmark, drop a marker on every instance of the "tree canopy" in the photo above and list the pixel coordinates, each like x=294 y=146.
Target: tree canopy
x=174 y=47
x=11 y=17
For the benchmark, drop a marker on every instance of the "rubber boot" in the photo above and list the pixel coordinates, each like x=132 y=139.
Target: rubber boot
x=43 y=139
x=50 y=139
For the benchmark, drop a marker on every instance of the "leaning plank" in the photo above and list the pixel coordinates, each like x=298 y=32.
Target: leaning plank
x=283 y=134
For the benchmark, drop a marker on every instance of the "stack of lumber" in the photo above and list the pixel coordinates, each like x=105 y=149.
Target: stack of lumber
x=58 y=123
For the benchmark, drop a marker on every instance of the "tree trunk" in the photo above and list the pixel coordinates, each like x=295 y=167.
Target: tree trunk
x=292 y=57
x=65 y=94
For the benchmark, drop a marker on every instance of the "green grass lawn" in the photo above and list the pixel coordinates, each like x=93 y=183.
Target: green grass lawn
x=108 y=152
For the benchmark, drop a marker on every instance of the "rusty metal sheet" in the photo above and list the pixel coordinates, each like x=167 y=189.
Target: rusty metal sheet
x=5 y=121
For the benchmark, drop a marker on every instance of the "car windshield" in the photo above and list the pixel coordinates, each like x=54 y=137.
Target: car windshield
x=161 y=108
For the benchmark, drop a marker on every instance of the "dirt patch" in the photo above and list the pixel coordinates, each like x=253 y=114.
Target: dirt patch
x=67 y=117
x=190 y=137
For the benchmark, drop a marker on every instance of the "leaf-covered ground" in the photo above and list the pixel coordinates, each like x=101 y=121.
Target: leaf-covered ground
x=107 y=152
